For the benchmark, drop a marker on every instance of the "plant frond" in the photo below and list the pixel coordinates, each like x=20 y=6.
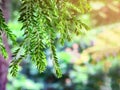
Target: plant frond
x=42 y=21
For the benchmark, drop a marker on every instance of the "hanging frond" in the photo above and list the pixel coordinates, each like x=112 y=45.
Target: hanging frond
x=42 y=21
x=4 y=30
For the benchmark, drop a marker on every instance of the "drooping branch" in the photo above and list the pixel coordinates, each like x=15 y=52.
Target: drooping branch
x=6 y=45
x=42 y=21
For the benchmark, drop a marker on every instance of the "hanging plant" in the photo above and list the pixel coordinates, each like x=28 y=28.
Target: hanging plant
x=42 y=21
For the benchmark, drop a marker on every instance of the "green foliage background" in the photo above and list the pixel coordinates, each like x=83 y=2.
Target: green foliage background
x=77 y=73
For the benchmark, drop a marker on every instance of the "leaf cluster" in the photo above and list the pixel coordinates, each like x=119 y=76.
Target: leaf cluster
x=4 y=30
x=43 y=21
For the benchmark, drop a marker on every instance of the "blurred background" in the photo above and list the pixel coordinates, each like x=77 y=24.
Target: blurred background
x=89 y=62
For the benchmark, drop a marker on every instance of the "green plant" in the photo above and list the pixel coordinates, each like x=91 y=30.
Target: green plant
x=43 y=21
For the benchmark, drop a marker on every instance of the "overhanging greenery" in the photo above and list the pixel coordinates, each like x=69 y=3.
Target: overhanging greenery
x=43 y=21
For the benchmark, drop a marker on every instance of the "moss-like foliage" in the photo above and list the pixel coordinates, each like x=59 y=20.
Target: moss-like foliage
x=43 y=21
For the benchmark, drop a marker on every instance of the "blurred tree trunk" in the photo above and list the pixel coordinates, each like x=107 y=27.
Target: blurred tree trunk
x=4 y=63
x=3 y=73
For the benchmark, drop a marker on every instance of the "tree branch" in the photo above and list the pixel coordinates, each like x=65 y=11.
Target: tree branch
x=5 y=42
